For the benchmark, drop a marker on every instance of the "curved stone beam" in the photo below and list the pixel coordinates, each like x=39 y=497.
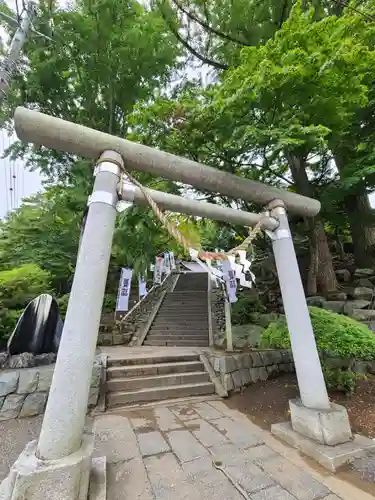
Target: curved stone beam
x=45 y=130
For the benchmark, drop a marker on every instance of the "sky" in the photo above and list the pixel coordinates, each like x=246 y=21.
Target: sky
x=25 y=183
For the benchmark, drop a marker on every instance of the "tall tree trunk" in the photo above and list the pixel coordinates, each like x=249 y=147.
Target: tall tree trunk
x=321 y=275
x=361 y=221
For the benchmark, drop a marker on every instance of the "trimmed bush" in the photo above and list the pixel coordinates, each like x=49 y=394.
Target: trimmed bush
x=336 y=336
x=20 y=285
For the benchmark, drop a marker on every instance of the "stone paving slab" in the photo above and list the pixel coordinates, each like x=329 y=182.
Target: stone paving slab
x=245 y=472
x=185 y=412
x=115 y=438
x=168 y=480
x=185 y=446
x=207 y=411
x=210 y=483
x=331 y=496
x=236 y=433
x=298 y=483
x=166 y=420
x=128 y=481
x=206 y=433
x=273 y=493
x=152 y=443
x=226 y=451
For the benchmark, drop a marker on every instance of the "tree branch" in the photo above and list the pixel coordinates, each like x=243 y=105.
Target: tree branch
x=187 y=46
x=208 y=27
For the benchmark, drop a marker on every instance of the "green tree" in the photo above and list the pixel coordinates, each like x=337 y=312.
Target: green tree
x=279 y=114
x=45 y=231
x=105 y=56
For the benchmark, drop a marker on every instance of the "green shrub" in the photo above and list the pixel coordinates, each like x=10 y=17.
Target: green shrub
x=336 y=336
x=246 y=309
x=63 y=304
x=109 y=303
x=340 y=379
x=20 y=285
x=8 y=320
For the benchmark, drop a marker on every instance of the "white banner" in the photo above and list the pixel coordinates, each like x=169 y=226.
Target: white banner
x=124 y=290
x=158 y=270
x=172 y=260
x=230 y=279
x=167 y=264
x=142 y=286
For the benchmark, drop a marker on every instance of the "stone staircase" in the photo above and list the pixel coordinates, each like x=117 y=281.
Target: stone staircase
x=182 y=319
x=154 y=378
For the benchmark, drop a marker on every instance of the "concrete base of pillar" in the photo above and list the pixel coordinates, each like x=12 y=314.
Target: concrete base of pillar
x=330 y=457
x=329 y=427
x=63 y=479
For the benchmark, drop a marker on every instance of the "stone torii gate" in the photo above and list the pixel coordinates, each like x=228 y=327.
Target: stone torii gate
x=57 y=467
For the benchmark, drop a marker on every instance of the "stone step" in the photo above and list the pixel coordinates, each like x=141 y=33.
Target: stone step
x=161 y=323
x=170 y=379
x=155 y=394
x=176 y=343
x=194 y=301
x=188 y=307
x=152 y=360
x=178 y=332
x=183 y=315
x=155 y=369
x=171 y=327
x=198 y=335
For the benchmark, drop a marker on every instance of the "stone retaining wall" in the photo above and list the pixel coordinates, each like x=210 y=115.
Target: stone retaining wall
x=24 y=392
x=122 y=332
x=236 y=371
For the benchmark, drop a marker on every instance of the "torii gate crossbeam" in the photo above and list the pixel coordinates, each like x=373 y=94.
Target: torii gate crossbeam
x=45 y=130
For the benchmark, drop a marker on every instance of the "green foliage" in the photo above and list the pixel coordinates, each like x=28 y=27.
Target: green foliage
x=45 y=231
x=336 y=336
x=246 y=307
x=341 y=379
x=62 y=302
x=20 y=285
x=8 y=321
x=105 y=56
x=109 y=303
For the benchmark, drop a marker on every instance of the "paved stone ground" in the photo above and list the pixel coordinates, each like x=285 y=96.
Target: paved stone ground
x=167 y=452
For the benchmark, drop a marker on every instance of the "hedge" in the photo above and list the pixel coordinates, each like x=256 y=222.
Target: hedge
x=336 y=336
